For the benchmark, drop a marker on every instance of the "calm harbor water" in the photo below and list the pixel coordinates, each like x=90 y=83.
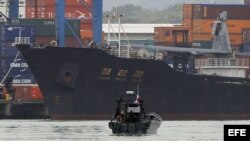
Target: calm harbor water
x=52 y=130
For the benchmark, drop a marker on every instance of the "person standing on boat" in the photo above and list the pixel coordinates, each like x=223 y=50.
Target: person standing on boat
x=120 y=117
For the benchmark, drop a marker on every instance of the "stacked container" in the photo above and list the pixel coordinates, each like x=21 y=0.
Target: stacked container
x=247 y=1
x=12 y=63
x=74 y=9
x=203 y=15
x=38 y=23
x=246 y=40
x=200 y=17
x=45 y=30
x=164 y=35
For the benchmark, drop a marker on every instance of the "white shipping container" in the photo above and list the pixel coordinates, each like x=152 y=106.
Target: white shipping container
x=5 y=10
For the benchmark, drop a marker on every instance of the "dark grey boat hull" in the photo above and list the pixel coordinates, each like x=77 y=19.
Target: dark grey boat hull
x=83 y=83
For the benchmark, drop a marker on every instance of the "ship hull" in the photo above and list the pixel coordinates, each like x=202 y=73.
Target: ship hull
x=85 y=83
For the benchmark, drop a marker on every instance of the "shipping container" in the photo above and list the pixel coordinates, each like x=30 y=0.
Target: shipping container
x=46 y=27
x=202 y=37
x=246 y=35
x=211 y=11
x=36 y=93
x=40 y=3
x=8 y=65
x=87 y=34
x=86 y=41
x=12 y=64
x=247 y=1
x=20 y=78
x=46 y=9
x=187 y=22
x=235 y=39
x=245 y=47
x=10 y=32
x=86 y=25
x=27 y=93
x=164 y=35
x=18 y=66
x=202 y=44
x=187 y=14
x=7 y=50
x=72 y=12
x=205 y=25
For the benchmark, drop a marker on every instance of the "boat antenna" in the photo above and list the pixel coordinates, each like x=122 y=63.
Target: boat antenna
x=138 y=89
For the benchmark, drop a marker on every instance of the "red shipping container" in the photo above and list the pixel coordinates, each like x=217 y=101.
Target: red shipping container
x=30 y=3
x=46 y=3
x=77 y=12
x=27 y=93
x=73 y=12
x=35 y=93
x=77 y=2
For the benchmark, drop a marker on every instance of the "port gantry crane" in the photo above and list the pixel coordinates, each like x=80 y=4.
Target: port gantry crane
x=97 y=6
x=61 y=22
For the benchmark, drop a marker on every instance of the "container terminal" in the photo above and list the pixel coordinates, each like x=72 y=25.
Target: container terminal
x=40 y=28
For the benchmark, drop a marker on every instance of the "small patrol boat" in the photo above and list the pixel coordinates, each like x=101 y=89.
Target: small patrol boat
x=130 y=117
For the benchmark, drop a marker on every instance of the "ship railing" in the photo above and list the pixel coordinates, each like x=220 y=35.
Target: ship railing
x=156 y=116
x=22 y=40
x=137 y=53
x=222 y=62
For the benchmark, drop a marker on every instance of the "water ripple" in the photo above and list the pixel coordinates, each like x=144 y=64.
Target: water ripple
x=52 y=130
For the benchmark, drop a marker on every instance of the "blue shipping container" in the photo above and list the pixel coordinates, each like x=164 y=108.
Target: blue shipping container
x=17 y=68
x=8 y=51
x=17 y=65
x=245 y=48
x=21 y=78
x=9 y=32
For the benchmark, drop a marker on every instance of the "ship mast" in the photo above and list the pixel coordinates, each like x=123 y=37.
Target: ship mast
x=115 y=16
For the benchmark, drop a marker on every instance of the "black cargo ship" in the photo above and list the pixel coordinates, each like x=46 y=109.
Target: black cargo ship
x=83 y=83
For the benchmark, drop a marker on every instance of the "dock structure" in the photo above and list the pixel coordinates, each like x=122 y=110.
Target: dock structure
x=23 y=109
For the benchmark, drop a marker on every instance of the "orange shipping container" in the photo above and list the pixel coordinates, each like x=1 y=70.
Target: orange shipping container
x=187 y=14
x=86 y=25
x=202 y=37
x=187 y=11
x=209 y=11
x=234 y=26
x=187 y=22
x=165 y=34
x=235 y=39
x=86 y=34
